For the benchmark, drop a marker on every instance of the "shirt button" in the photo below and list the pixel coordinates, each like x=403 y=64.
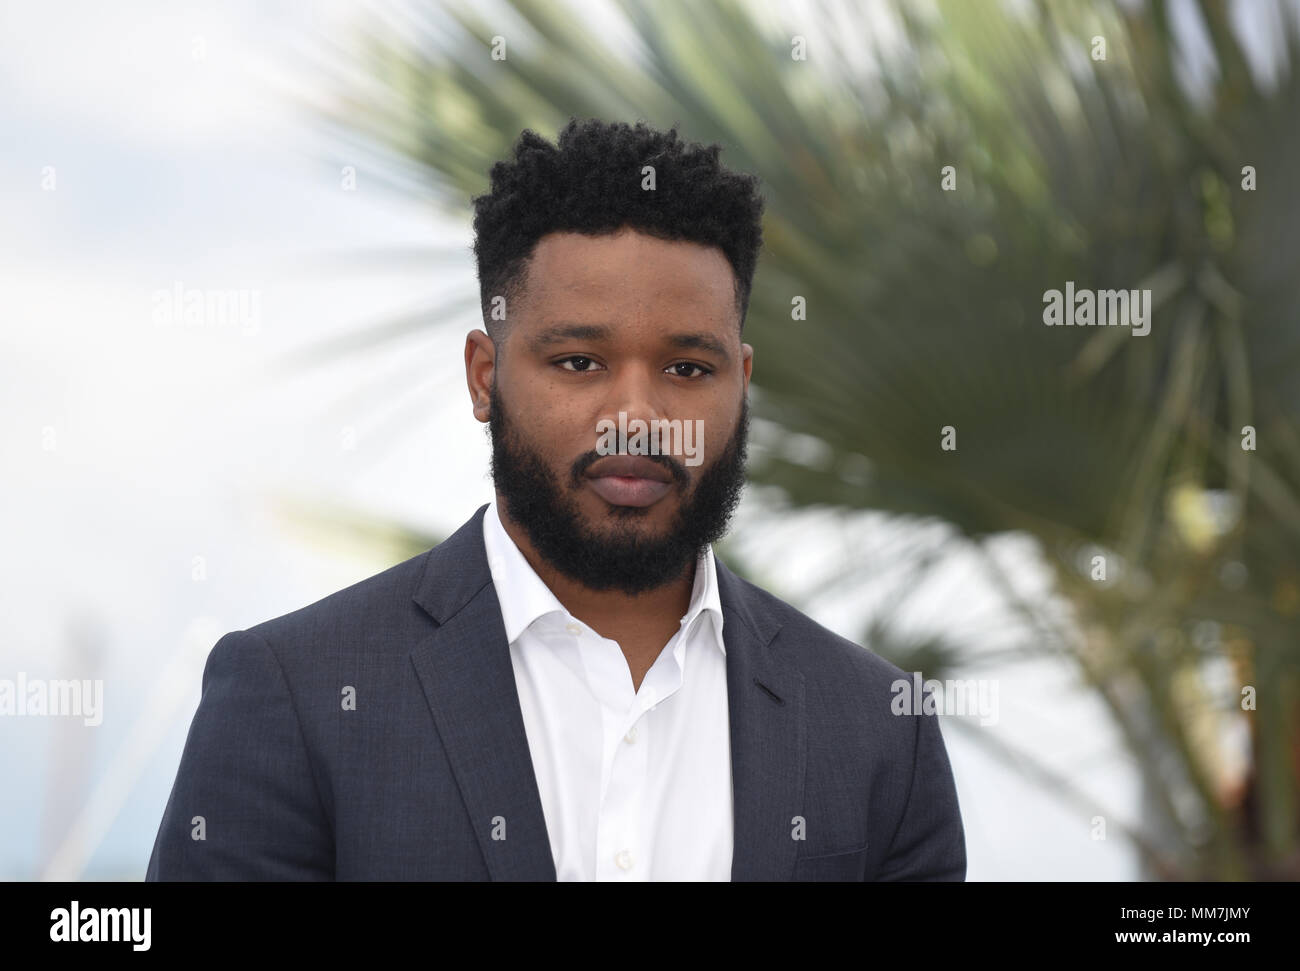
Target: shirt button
x=631 y=735
x=623 y=860
x=573 y=628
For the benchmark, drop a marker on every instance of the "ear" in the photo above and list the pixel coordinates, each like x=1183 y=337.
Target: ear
x=746 y=362
x=480 y=365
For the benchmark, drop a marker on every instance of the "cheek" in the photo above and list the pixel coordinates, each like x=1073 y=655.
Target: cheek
x=555 y=431
x=543 y=409
x=715 y=431
x=561 y=438
x=565 y=424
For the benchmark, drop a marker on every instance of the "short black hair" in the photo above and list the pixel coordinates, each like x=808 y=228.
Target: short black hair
x=590 y=182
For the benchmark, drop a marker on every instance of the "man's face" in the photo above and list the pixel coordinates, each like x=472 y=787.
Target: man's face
x=628 y=324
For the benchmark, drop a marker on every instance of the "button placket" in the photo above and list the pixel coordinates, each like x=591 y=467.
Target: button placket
x=620 y=849
x=619 y=833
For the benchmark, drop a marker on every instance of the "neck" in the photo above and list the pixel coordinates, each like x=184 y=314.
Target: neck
x=608 y=612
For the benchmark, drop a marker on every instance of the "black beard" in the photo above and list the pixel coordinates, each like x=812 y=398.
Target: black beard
x=614 y=558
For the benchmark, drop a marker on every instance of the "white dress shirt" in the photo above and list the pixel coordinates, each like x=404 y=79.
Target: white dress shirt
x=635 y=785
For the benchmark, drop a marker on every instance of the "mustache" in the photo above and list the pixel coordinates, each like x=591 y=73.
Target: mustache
x=678 y=471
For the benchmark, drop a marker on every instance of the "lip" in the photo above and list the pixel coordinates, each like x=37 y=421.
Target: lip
x=626 y=490
x=628 y=466
x=629 y=480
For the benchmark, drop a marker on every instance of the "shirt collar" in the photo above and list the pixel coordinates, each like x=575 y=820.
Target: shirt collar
x=524 y=597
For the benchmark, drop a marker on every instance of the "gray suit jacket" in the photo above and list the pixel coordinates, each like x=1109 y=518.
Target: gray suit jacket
x=281 y=780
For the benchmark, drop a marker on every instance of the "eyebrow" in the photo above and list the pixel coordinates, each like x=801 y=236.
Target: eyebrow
x=559 y=333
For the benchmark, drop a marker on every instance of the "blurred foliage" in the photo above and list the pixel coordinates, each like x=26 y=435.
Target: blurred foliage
x=925 y=310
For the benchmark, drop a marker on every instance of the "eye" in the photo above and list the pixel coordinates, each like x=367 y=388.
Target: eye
x=579 y=363
x=677 y=369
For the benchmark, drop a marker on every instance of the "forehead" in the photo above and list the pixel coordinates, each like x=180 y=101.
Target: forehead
x=621 y=274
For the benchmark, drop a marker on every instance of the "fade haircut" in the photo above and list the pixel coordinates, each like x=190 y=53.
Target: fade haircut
x=590 y=182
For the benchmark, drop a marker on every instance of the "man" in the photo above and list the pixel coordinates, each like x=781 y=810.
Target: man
x=571 y=686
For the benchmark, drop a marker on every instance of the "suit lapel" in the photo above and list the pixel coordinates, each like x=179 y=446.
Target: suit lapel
x=464 y=668
x=766 y=701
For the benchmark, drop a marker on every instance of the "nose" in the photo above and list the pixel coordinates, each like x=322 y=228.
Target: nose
x=636 y=394
x=637 y=407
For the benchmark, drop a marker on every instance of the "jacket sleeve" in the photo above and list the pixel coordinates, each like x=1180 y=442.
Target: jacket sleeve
x=245 y=804
x=930 y=843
